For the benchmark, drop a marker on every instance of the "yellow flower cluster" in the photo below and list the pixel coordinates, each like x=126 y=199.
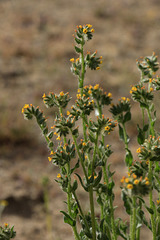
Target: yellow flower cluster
x=133 y=181
x=25 y=107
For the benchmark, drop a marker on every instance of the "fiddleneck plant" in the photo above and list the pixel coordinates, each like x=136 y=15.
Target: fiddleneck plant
x=81 y=152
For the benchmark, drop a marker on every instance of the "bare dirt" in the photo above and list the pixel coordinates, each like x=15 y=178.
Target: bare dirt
x=36 y=44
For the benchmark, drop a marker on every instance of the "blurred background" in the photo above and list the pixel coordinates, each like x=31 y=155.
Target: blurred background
x=36 y=44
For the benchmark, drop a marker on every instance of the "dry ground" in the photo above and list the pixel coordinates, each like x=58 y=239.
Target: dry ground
x=36 y=44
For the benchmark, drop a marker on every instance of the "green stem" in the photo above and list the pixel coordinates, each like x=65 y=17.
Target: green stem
x=150 y=121
x=79 y=155
x=91 y=193
x=133 y=219
x=83 y=68
x=81 y=211
x=125 y=136
x=143 y=116
x=150 y=176
x=92 y=212
x=114 y=235
x=69 y=195
x=107 y=181
x=139 y=229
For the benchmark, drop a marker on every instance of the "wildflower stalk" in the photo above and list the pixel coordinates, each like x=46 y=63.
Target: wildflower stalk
x=94 y=154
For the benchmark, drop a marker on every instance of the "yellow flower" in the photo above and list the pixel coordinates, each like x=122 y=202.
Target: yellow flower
x=44 y=95
x=138 y=150
x=68 y=113
x=89 y=91
x=72 y=60
x=100 y=62
x=61 y=94
x=58 y=138
x=122 y=180
x=100 y=57
x=109 y=94
x=97 y=68
x=85 y=30
x=126 y=180
x=136 y=181
x=25 y=107
x=107 y=128
x=89 y=25
x=134 y=176
x=147 y=183
x=49 y=159
x=84 y=144
x=58 y=175
x=134 y=89
x=130 y=186
x=158 y=202
x=92 y=30
x=6 y=225
x=96 y=86
x=123 y=98
x=151 y=89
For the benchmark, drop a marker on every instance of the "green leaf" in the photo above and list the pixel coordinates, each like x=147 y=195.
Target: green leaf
x=45 y=130
x=80 y=179
x=78 y=40
x=68 y=219
x=126 y=201
x=141 y=135
x=98 y=179
x=78 y=50
x=50 y=135
x=75 y=186
x=128 y=158
x=127 y=117
x=145 y=128
x=121 y=134
x=50 y=144
x=150 y=210
x=110 y=187
x=92 y=138
x=75 y=167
